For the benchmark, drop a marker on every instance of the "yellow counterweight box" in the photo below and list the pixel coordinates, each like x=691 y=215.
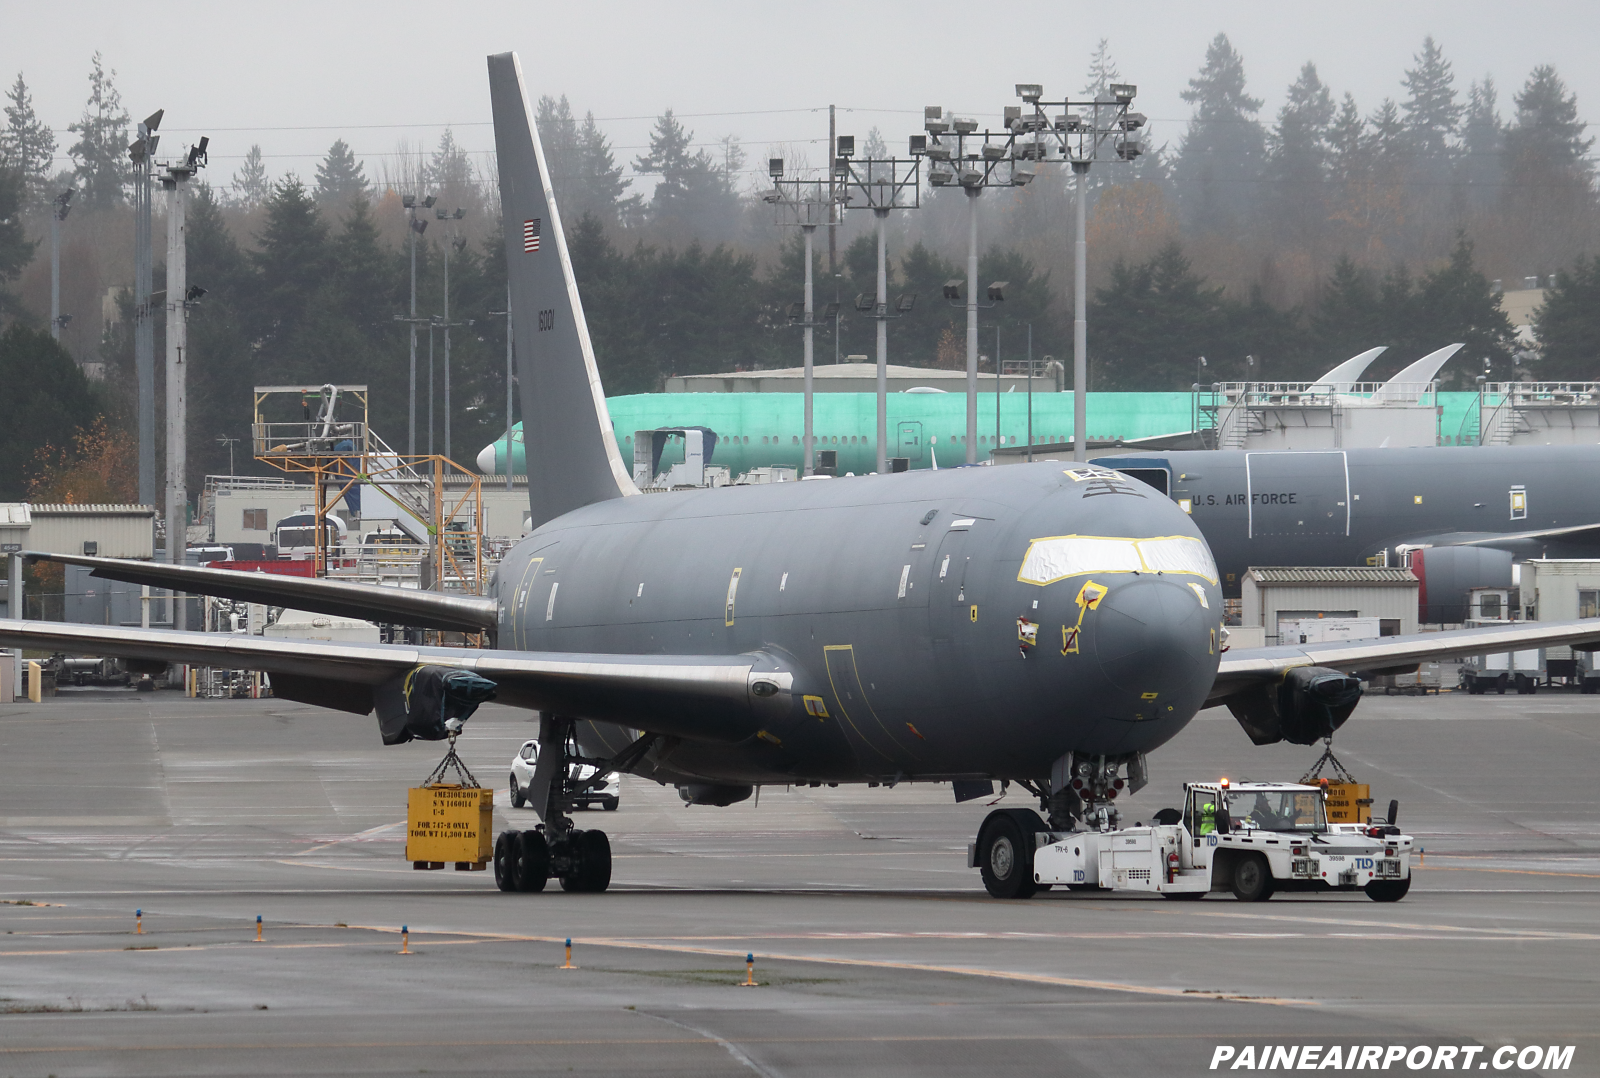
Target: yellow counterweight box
x=449 y=823
x=1349 y=802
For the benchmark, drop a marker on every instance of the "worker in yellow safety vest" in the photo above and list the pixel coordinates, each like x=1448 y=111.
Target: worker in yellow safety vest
x=1208 y=818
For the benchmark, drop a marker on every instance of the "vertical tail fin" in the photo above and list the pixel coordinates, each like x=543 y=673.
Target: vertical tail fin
x=571 y=453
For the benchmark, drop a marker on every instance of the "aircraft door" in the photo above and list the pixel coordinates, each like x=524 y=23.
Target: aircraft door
x=954 y=607
x=1297 y=494
x=911 y=441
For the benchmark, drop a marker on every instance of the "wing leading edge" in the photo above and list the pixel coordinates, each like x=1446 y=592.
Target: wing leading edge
x=708 y=698
x=1241 y=670
x=396 y=606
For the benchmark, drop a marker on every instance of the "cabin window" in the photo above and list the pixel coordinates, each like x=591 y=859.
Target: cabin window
x=255 y=520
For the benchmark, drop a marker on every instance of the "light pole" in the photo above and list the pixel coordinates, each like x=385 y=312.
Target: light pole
x=223 y=439
x=1101 y=130
x=175 y=179
x=418 y=227
x=58 y=213
x=142 y=153
x=456 y=244
x=883 y=183
x=959 y=153
x=802 y=202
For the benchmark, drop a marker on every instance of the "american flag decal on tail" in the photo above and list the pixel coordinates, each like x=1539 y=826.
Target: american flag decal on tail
x=530 y=235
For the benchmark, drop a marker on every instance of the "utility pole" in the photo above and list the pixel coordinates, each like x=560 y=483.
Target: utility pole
x=883 y=183
x=800 y=202
x=175 y=178
x=418 y=227
x=959 y=153
x=456 y=245
x=144 y=346
x=58 y=213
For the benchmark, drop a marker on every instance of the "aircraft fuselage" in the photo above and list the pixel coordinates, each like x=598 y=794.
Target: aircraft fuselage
x=1343 y=507
x=896 y=602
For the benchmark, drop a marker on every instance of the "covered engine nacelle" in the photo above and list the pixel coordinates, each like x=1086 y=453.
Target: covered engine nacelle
x=426 y=701
x=1307 y=705
x=1447 y=573
x=713 y=793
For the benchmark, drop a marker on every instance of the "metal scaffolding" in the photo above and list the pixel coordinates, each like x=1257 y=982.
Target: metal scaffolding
x=334 y=444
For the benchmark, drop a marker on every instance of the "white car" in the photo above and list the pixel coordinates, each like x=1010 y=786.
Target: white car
x=606 y=794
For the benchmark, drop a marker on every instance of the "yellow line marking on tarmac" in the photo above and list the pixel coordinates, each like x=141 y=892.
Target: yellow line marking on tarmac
x=1512 y=871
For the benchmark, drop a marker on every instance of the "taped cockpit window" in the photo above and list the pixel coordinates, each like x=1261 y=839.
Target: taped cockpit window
x=1061 y=556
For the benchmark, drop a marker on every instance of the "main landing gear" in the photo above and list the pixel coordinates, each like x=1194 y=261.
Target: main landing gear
x=580 y=859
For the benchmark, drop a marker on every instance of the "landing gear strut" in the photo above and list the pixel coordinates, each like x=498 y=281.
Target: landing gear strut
x=580 y=859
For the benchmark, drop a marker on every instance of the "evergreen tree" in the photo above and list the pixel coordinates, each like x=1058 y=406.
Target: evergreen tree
x=47 y=401
x=1298 y=155
x=1102 y=71
x=101 y=152
x=563 y=153
x=292 y=265
x=1151 y=321
x=450 y=170
x=1550 y=194
x=1568 y=324
x=1346 y=320
x=220 y=358
x=27 y=144
x=693 y=197
x=251 y=187
x=1431 y=111
x=340 y=177
x=1547 y=138
x=1455 y=303
x=1220 y=158
x=16 y=250
x=605 y=190
x=1483 y=143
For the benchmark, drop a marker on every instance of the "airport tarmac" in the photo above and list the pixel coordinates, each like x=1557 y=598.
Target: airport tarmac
x=876 y=949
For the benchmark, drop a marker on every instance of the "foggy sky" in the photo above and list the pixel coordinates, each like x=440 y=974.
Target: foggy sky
x=374 y=74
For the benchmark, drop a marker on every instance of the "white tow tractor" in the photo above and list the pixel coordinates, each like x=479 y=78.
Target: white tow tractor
x=1251 y=838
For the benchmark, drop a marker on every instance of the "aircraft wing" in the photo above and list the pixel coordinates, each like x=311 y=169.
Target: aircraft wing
x=719 y=698
x=397 y=606
x=1243 y=669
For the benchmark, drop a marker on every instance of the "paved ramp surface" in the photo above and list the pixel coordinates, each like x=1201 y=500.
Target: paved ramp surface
x=877 y=950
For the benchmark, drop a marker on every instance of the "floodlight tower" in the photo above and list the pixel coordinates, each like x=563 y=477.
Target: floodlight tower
x=1101 y=130
x=456 y=245
x=142 y=153
x=961 y=154
x=418 y=227
x=175 y=177
x=883 y=185
x=59 y=208
x=803 y=203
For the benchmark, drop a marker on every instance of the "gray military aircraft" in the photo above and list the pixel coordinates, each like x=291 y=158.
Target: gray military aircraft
x=1043 y=625
x=1368 y=506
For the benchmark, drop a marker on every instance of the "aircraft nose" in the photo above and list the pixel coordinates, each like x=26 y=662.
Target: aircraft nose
x=488 y=464
x=1153 y=635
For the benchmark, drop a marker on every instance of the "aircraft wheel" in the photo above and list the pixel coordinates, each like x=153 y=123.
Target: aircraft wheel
x=1388 y=890
x=505 y=854
x=1005 y=857
x=1252 y=879
x=532 y=863
x=591 y=871
x=517 y=797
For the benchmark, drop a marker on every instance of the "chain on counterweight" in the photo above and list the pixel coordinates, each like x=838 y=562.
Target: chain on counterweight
x=451 y=762
x=1327 y=759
